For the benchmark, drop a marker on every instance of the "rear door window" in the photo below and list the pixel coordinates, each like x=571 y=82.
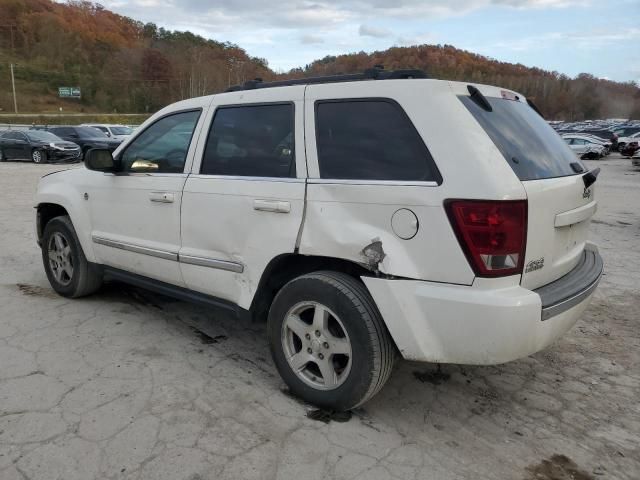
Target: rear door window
x=251 y=141
x=370 y=139
x=531 y=147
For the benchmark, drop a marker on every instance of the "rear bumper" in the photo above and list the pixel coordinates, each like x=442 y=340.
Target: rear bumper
x=484 y=324
x=570 y=290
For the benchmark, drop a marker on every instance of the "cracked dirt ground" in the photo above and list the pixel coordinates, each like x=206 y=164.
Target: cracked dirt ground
x=130 y=385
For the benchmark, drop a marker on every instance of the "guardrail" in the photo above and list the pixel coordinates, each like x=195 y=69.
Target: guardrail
x=13 y=126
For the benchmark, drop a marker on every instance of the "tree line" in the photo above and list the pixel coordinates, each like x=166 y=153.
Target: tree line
x=558 y=96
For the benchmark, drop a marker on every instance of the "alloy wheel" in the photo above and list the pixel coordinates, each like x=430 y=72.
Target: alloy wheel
x=316 y=345
x=60 y=258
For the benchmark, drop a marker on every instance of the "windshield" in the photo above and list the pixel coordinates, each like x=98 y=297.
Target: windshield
x=42 y=136
x=532 y=148
x=90 y=132
x=121 y=130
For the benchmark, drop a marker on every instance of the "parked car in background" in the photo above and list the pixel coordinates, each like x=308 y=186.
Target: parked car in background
x=630 y=149
x=37 y=146
x=591 y=139
x=86 y=137
x=626 y=131
x=635 y=159
x=334 y=209
x=585 y=148
x=623 y=141
x=116 y=132
x=603 y=134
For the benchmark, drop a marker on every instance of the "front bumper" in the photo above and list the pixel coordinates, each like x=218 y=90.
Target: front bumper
x=488 y=323
x=63 y=155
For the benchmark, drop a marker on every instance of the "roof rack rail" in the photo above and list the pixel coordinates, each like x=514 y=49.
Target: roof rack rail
x=376 y=73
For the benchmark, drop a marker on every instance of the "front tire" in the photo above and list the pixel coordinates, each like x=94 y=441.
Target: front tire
x=68 y=271
x=39 y=156
x=329 y=341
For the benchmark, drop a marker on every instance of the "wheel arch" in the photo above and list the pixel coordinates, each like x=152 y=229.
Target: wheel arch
x=45 y=213
x=284 y=268
x=50 y=205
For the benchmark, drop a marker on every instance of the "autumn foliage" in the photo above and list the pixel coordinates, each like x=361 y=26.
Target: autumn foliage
x=124 y=65
x=557 y=95
x=121 y=64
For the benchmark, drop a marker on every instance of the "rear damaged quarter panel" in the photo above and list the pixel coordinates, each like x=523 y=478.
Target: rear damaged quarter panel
x=342 y=221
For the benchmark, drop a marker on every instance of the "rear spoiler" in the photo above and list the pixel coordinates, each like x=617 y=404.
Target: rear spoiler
x=590 y=177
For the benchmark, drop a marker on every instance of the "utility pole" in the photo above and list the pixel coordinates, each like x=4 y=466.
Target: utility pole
x=13 y=85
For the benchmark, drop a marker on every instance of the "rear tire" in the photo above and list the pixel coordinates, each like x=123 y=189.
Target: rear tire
x=329 y=341
x=68 y=271
x=39 y=156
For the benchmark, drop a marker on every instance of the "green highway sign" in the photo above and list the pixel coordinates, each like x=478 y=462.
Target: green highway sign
x=69 y=92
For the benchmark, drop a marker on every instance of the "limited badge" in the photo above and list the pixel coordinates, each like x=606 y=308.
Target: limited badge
x=534 y=265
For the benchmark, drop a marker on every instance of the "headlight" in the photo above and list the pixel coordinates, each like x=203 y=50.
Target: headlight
x=53 y=145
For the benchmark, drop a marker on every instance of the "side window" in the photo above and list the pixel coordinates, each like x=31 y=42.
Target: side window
x=64 y=131
x=162 y=147
x=370 y=140
x=251 y=141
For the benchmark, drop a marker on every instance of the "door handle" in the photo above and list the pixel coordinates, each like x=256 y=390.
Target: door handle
x=161 y=197
x=278 y=206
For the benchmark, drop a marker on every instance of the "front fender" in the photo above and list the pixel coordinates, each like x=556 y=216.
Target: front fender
x=64 y=190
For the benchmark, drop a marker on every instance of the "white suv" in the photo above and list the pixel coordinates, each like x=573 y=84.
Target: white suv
x=365 y=215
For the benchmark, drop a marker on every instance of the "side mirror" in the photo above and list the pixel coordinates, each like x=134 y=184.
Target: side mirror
x=100 y=160
x=144 y=166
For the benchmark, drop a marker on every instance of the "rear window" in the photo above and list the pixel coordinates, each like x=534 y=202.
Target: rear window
x=370 y=139
x=532 y=148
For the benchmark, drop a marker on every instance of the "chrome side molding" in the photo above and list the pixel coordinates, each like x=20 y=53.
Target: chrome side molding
x=235 y=267
x=152 y=252
x=212 y=263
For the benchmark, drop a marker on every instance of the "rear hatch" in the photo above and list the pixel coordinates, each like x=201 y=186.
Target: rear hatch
x=559 y=204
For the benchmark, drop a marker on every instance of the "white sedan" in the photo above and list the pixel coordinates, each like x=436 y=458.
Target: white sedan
x=585 y=147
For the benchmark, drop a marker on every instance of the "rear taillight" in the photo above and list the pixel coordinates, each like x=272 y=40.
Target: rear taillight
x=493 y=234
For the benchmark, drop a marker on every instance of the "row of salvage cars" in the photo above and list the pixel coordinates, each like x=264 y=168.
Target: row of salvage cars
x=56 y=144
x=595 y=139
x=590 y=147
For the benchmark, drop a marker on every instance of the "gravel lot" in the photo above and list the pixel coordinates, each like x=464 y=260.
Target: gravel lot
x=127 y=384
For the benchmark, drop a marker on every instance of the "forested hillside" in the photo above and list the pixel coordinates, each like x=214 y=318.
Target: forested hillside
x=120 y=64
x=558 y=96
x=123 y=65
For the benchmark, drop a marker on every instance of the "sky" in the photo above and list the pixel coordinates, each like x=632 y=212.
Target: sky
x=600 y=37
